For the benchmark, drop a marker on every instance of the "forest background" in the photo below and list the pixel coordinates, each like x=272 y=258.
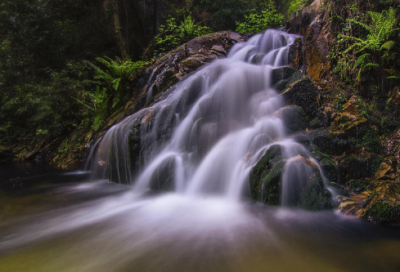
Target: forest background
x=66 y=65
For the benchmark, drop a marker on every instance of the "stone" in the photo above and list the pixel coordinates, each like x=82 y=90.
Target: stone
x=266 y=174
x=296 y=58
x=303 y=93
x=315 y=197
x=294 y=118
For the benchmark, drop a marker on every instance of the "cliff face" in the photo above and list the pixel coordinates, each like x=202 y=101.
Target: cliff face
x=364 y=162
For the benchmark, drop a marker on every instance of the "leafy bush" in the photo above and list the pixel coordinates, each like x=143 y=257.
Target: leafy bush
x=256 y=22
x=118 y=73
x=172 y=35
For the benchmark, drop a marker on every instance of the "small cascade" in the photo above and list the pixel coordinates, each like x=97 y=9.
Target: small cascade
x=205 y=137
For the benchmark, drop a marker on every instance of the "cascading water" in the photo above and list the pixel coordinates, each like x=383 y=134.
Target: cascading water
x=205 y=137
x=201 y=141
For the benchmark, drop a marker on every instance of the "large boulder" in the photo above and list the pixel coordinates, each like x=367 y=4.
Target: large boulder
x=165 y=72
x=266 y=179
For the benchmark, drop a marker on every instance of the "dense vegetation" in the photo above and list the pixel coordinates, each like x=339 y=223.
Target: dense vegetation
x=365 y=54
x=67 y=65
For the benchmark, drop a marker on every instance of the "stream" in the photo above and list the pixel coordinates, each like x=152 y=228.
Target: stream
x=66 y=222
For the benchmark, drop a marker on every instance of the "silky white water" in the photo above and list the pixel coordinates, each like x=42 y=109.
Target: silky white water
x=212 y=129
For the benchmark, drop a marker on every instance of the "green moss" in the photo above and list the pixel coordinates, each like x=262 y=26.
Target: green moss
x=383 y=212
x=295 y=119
x=364 y=136
x=314 y=196
x=327 y=142
x=372 y=165
x=344 y=120
x=357 y=185
x=339 y=102
x=265 y=173
x=325 y=161
x=271 y=185
x=315 y=123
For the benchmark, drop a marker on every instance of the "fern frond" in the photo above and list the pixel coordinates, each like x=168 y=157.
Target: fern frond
x=360 y=60
x=367 y=27
x=350 y=38
x=351 y=47
x=388 y=45
x=371 y=64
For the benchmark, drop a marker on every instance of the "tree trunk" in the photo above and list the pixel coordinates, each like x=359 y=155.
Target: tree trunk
x=117 y=27
x=154 y=17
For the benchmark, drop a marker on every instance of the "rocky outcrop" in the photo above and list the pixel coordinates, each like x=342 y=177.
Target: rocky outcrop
x=266 y=180
x=170 y=69
x=311 y=23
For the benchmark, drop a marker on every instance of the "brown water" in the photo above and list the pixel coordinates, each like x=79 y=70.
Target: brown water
x=60 y=222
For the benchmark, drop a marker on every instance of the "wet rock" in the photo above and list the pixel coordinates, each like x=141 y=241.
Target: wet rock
x=329 y=167
x=379 y=204
x=257 y=58
x=266 y=182
x=315 y=197
x=282 y=78
x=296 y=58
x=391 y=145
x=310 y=22
x=359 y=166
x=387 y=169
x=294 y=118
x=165 y=72
x=330 y=143
x=364 y=137
x=303 y=93
x=265 y=177
x=162 y=179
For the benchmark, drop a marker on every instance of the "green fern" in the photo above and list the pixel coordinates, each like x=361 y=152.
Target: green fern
x=376 y=44
x=117 y=72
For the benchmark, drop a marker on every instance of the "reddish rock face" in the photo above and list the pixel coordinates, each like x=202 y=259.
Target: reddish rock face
x=311 y=24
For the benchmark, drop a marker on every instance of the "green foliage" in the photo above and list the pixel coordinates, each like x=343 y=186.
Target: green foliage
x=375 y=47
x=172 y=35
x=114 y=81
x=223 y=14
x=339 y=102
x=117 y=74
x=44 y=83
x=256 y=22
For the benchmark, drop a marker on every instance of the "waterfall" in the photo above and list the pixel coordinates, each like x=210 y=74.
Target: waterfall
x=205 y=137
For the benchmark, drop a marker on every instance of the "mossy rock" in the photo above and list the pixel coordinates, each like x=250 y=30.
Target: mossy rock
x=303 y=93
x=315 y=197
x=265 y=177
x=294 y=118
x=328 y=166
x=266 y=183
x=162 y=179
x=330 y=143
x=296 y=54
x=281 y=78
x=358 y=185
x=365 y=137
x=359 y=166
x=383 y=212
